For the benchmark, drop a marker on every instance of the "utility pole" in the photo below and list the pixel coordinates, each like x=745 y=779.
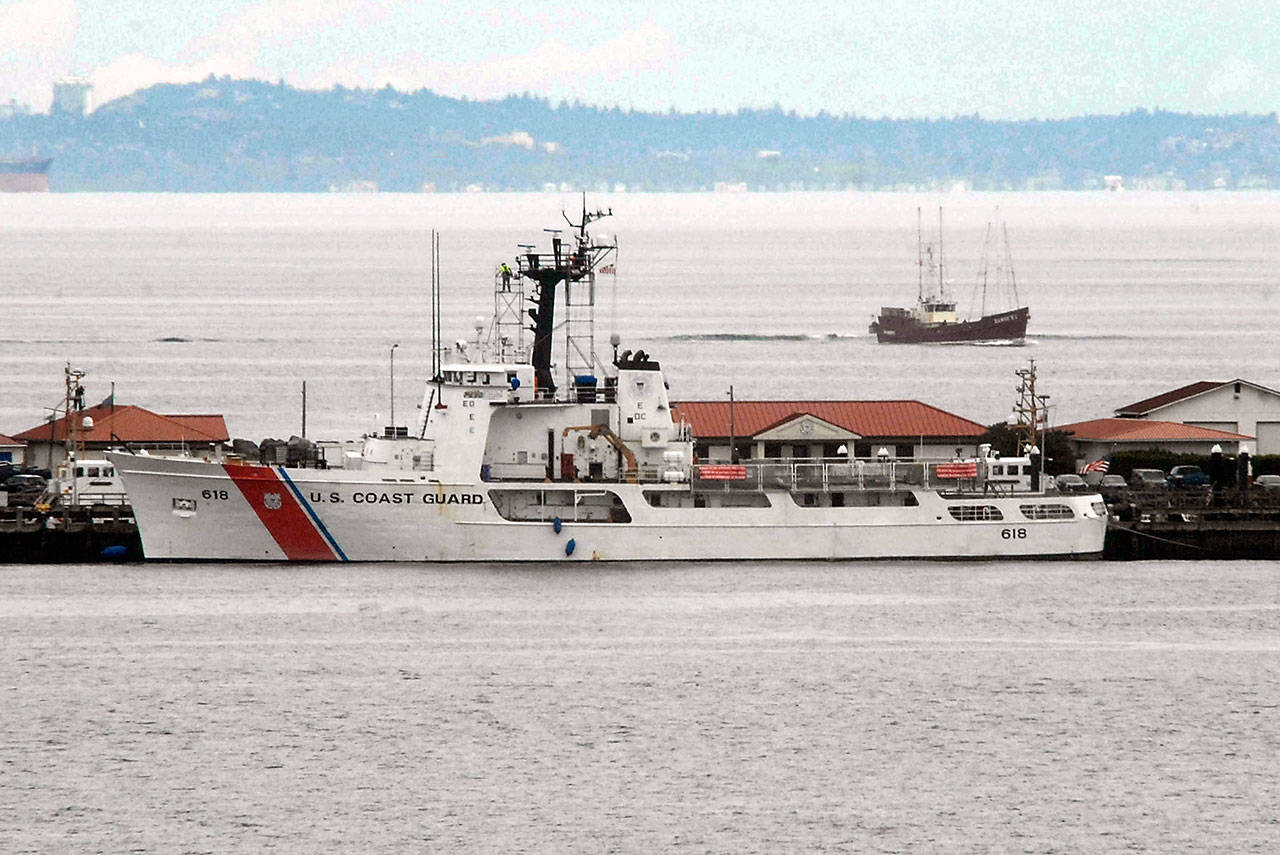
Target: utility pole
x=733 y=452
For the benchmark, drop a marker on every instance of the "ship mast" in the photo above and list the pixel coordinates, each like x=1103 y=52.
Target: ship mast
x=982 y=271
x=1008 y=265
x=942 y=291
x=920 y=254
x=1031 y=412
x=548 y=270
x=73 y=406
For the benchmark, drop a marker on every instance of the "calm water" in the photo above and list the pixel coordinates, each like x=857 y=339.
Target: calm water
x=699 y=708
x=706 y=707
x=225 y=304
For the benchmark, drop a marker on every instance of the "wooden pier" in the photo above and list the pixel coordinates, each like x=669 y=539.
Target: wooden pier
x=1194 y=524
x=68 y=536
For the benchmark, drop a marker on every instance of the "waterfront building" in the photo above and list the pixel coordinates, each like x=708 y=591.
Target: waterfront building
x=1099 y=438
x=1235 y=406
x=113 y=426
x=828 y=429
x=11 y=449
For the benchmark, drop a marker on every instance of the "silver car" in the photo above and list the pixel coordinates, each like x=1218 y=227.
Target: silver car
x=1071 y=484
x=1148 y=479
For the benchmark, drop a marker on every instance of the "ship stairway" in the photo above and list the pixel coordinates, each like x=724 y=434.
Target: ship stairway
x=580 y=327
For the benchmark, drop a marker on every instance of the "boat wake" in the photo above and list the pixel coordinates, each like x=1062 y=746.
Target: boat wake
x=991 y=343
x=1084 y=336
x=762 y=336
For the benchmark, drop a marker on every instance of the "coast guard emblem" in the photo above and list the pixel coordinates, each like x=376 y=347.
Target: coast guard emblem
x=272 y=501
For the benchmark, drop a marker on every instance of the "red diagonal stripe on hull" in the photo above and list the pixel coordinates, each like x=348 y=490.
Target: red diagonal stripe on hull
x=288 y=524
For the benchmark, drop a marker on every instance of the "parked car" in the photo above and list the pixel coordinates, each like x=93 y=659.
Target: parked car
x=1267 y=482
x=1092 y=478
x=1112 y=482
x=24 y=489
x=1148 y=479
x=1071 y=484
x=1187 y=476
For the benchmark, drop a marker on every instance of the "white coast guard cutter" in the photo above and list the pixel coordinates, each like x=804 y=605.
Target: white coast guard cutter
x=506 y=464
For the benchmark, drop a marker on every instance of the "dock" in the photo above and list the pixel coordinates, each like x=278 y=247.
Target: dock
x=68 y=535
x=1194 y=524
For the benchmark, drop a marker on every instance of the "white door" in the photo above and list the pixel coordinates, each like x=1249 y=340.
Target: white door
x=1268 y=438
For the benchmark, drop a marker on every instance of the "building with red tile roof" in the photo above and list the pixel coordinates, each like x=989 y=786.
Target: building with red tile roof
x=1098 y=438
x=772 y=429
x=127 y=426
x=11 y=449
x=1234 y=406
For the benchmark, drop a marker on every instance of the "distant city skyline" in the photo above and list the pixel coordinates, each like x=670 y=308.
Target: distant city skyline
x=1000 y=60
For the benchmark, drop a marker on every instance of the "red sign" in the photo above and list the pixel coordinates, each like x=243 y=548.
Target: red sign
x=958 y=470
x=722 y=472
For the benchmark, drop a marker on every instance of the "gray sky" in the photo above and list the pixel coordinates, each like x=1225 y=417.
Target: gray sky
x=923 y=59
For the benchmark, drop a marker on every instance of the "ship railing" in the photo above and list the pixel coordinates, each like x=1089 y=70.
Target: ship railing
x=824 y=475
x=793 y=475
x=83 y=498
x=603 y=393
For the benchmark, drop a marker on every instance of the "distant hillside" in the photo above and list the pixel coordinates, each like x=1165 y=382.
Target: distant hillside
x=243 y=135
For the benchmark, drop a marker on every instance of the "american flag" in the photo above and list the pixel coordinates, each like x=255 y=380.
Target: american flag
x=1097 y=466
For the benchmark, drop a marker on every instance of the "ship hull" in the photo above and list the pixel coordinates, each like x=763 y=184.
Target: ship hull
x=24 y=176
x=1005 y=326
x=191 y=510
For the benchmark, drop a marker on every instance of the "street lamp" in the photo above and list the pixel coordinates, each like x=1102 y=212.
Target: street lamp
x=393 y=387
x=732 y=440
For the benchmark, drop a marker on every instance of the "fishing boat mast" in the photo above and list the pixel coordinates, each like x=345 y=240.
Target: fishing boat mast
x=920 y=254
x=942 y=291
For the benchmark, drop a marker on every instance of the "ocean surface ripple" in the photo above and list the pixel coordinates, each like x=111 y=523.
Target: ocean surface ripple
x=713 y=707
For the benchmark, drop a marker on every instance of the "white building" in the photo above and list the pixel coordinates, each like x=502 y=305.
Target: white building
x=1236 y=406
x=71 y=97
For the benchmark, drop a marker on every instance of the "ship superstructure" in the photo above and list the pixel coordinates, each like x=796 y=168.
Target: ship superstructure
x=517 y=459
